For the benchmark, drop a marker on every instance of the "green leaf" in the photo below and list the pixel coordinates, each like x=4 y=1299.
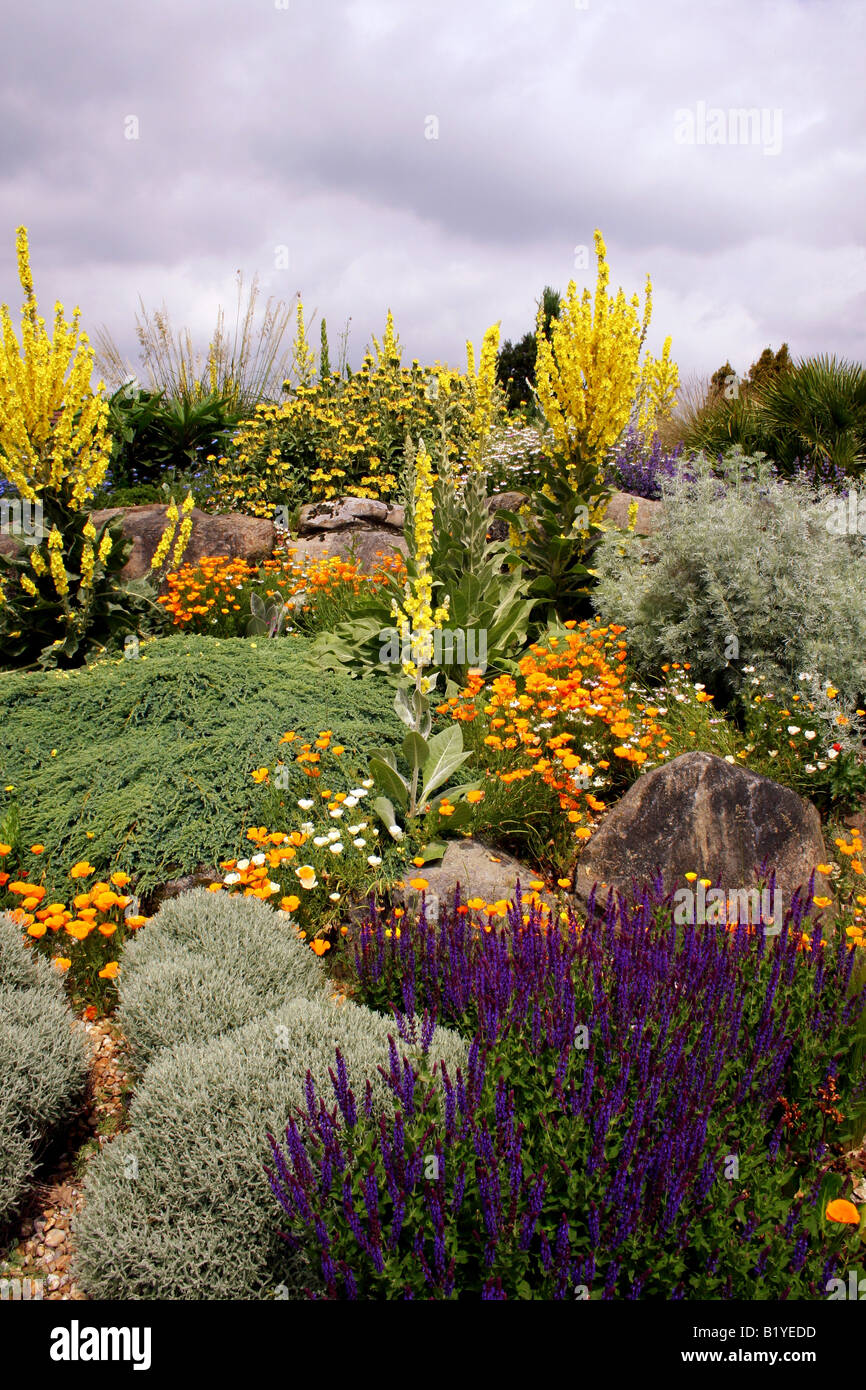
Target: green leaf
x=402 y=707
x=385 y=811
x=415 y=749
x=444 y=756
x=389 y=780
x=454 y=793
x=462 y=815
x=433 y=851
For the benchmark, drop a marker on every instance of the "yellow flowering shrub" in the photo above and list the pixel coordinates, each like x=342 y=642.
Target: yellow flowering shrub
x=59 y=593
x=657 y=391
x=52 y=424
x=346 y=438
x=588 y=369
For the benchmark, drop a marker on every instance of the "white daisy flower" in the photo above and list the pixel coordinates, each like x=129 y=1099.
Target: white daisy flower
x=337 y=847
x=306 y=803
x=360 y=844
x=374 y=860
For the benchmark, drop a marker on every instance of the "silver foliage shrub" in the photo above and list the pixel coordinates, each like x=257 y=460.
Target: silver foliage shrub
x=43 y=1062
x=207 y=962
x=179 y=1207
x=744 y=556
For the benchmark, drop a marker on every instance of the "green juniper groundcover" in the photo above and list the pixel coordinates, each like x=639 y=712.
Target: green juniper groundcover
x=153 y=756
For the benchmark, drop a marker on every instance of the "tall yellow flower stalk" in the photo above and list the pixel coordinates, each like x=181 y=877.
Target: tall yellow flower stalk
x=388 y=352
x=52 y=425
x=483 y=386
x=588 y=370
x=416 y=619
x=657 y=394
x=303 y=357
x=55 y=560
x=172 y=516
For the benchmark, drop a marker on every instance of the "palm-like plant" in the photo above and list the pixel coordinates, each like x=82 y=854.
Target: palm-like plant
x=817 y=409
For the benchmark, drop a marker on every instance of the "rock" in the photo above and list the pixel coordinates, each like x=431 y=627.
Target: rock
x=173 y=887
x=704 y=815
x=503 y=501
x=648 y=513
x=344 y=512
x=233 y=534
x=350 y=526
x=481 y=871
x=366 y=547
x=856 y=819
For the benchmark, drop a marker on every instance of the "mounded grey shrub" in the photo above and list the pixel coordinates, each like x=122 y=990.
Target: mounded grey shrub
x=740 y=556
x=179 y=1207
x=43 y=1061
x=205 y=963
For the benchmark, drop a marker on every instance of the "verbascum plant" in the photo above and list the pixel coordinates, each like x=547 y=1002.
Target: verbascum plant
x=484 y=396
x=587 y=367
x=657 y=393
x=52 y=425
x=161 y=561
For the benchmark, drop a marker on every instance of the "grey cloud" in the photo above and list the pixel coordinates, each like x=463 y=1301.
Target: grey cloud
x=306 y=127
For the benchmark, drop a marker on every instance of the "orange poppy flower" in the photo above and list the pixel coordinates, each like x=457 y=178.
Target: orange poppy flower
x=843 y=1212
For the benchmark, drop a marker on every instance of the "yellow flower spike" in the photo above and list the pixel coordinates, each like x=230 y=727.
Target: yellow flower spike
x=52 y=424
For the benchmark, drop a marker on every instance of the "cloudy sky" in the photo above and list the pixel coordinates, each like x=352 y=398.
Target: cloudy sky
x=446 y=158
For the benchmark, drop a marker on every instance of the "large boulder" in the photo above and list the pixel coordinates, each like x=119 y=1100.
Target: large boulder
x=701 y=814
x=243 y=537
x=648 y=515
x=358 y=527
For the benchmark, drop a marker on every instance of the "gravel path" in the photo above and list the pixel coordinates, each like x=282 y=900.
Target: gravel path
x=44 y=1244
